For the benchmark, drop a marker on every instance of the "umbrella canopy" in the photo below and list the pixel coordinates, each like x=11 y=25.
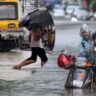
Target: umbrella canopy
x=24 y=21
x=36 y=19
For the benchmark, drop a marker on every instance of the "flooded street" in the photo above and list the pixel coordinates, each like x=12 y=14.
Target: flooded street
x=49 y=80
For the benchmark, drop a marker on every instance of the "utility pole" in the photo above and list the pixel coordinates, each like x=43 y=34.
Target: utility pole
x=22 y=4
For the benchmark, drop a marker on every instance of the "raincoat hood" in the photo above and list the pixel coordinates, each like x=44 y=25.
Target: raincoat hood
x=83 y=28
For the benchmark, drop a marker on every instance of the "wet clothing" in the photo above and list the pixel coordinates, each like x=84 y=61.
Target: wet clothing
x=33 y=42
x=36 y=48
x=38 y=52
x=90 y=56
x=86 y=42
x=84 y=46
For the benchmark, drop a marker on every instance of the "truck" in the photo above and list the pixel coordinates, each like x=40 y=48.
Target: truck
x=10 y=33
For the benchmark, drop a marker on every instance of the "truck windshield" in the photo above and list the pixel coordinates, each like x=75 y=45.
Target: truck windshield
x=8 y=11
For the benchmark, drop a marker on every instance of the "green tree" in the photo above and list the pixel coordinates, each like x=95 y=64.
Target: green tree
x=93 y=5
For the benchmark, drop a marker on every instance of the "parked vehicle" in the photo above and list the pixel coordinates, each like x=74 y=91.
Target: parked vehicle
x=74 y=18
x=10 y=33
x=58 y=11
x=81 y=14
x=71 y=8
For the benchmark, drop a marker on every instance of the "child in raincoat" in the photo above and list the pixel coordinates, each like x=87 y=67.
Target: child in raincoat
x=86 y=42
x=90 y=55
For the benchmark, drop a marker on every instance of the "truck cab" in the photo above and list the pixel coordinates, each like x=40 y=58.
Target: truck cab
x=10 y=33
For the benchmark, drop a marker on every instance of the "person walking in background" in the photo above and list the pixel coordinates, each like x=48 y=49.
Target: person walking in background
x=36 y=49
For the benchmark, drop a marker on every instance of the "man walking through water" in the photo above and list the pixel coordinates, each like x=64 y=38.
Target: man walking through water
x=36 y=49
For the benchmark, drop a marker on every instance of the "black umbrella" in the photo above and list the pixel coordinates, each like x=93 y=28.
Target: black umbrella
x=24 y=21
x=36 y=19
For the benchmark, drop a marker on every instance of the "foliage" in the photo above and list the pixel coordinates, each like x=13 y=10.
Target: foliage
x=93 y=5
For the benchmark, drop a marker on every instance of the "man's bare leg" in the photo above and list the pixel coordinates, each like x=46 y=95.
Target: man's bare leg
x=42 y=63
x=24 y=63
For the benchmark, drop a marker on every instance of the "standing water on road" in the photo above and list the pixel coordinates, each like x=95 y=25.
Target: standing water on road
x=49 y=80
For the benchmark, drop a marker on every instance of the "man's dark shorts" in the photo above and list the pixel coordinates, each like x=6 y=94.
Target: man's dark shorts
x=36 y=51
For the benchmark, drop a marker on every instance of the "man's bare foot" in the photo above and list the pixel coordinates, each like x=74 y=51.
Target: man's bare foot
x=17 y=67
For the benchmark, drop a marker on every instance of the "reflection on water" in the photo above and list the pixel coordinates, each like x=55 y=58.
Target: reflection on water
x=17 y=89
x=80 y=92
x=50 y=80
x=5 y=88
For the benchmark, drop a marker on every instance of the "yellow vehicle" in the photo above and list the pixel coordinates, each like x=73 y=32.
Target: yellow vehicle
x=10 y=33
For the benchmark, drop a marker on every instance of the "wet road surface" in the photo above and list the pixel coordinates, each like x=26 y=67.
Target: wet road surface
x=49 y=80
